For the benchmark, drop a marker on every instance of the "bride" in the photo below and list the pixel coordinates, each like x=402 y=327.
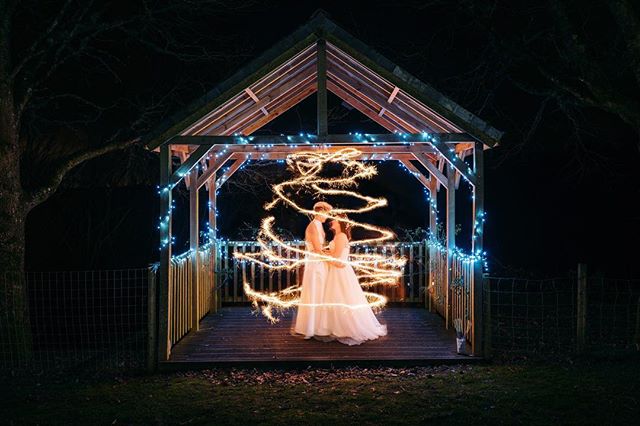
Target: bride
x=347 y=316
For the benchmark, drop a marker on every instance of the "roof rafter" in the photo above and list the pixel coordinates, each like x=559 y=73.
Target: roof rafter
x=286 y=74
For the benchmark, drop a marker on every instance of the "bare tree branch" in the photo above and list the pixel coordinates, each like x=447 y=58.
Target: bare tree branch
x=35 y=197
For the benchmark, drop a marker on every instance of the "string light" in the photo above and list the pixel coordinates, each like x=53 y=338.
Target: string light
x=333 y=187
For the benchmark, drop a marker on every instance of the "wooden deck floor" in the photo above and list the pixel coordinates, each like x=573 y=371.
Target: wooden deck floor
x=235 y=335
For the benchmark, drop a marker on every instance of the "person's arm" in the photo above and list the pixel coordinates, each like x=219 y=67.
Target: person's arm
x=339 y=245
x=314 y=237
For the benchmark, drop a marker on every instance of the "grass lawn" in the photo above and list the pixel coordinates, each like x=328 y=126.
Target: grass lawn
x=595 y=393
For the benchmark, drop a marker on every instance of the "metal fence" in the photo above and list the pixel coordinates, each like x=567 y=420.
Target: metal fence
x=54 y=320
x=99 y=320
x=544 y=317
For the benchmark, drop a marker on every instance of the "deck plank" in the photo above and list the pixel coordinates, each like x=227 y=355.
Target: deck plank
x=236 y=335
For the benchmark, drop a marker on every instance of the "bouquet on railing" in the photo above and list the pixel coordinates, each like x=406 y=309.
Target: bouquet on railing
x=461 y=341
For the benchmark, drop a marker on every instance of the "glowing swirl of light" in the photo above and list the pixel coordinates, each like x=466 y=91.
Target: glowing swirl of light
x=371 y=268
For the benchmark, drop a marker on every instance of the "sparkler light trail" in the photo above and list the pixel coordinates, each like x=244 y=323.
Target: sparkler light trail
x=371 y=268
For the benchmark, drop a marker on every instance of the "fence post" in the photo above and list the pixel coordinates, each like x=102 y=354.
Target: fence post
x=638 y=325
x=487 y=319
x=581 y=308
x=152 y=324
x=429 y=275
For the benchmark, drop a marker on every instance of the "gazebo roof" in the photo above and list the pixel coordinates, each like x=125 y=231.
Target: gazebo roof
x=286 y=74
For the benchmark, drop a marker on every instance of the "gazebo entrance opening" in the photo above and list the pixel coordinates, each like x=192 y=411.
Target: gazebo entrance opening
x=436 y=140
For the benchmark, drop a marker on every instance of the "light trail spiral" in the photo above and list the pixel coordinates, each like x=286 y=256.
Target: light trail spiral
x=372 y=269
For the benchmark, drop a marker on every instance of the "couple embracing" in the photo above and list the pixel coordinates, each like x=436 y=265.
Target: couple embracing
x=333 y=305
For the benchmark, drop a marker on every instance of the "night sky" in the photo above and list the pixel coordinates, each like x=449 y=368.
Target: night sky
x=555 y=196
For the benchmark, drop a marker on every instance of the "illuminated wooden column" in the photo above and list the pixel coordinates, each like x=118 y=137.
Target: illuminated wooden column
x=194 y=246
x=477 y=248
x=212 y=238
x=164 y=271
x=451 y=239
x=433 y=227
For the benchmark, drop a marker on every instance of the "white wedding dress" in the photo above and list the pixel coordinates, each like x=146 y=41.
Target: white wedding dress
x=346 y=315
x=313 y=281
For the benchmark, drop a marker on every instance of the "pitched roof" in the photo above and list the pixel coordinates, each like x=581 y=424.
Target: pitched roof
x=286 y=74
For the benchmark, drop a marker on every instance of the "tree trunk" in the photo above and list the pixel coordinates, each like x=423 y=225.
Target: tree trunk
x=15 y=329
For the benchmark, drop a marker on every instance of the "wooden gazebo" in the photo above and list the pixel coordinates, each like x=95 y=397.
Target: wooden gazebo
x=437 y=140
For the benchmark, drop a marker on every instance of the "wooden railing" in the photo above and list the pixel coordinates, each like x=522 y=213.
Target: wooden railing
x=220 y=279
x=181 y=288
x=229 y=273
x=438 y=281
x=460 y=293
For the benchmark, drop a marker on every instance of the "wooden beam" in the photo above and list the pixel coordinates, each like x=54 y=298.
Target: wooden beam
x=359 y=139
x=228 y=123
x=190 y=162
x=453 y=159
x=323 y=125
x=477 y=247
x=393 y=94
x=213 y=303
x=232 y=169
x=183 y=155
x=293 y=88
x=256 y=100
x=362 y=107
x=376 y=101
x=283 y=105
x=409 y=104
x=277 y=85
x=194 y=237
x=164 y=271
x=426 y=182
x=363 y=85
x=433 y=229
x=451 y=240
x=440 y=178
x=365 y=156
x=205 y=166
x=258 y=151
x=214 y=164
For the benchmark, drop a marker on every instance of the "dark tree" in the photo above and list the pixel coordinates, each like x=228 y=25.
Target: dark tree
x=574 y=54
x=79 y=79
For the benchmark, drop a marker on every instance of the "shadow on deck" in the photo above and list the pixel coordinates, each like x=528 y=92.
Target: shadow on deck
x=235 y=336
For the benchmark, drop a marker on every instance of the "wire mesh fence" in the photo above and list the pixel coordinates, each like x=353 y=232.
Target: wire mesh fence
x=541 y=317
x=613 y=314
x=87 y=319
x=99 y=320
x=530 y=316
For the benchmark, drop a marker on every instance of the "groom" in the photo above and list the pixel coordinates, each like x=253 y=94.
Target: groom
x=315 y=273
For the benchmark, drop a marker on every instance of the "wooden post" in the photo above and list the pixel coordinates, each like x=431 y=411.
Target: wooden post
x=212 y=238
x=451 y=240
x=323 y=126
x=478 y=222
x=433 y=227
x=487 y=319
x=581 y=308
x=152 y=322
x=638 y=325
x=194 y=240
x=164 y=343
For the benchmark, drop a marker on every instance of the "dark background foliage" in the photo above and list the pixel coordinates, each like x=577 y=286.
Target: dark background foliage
x=560 y=188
